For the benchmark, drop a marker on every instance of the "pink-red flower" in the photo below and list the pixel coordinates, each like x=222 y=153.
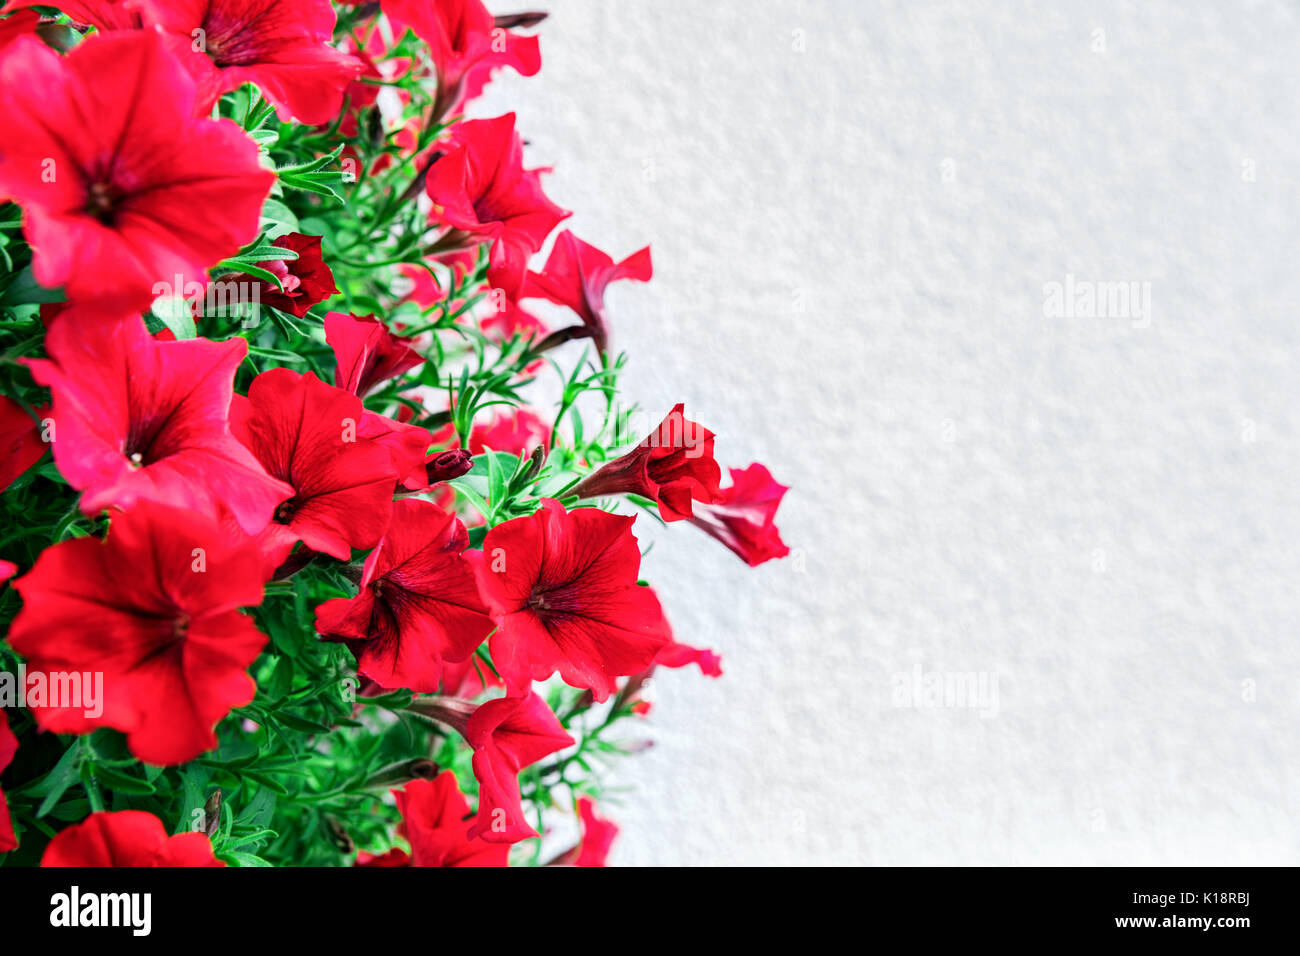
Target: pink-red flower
x=562 y=587
x=434 y=814
x=465 y=46
x=122 y=200
x=8 y=747
x=305 y=281
x=598 y=836
x=576 y=275
x=21 y=445
x=281 y=46
x=307 y=433
x=127 y=838
x=418 y=606
x=743 y=516
x=508 y=734
x=141 y=419
x=673 y=465
x=154 y=608
x=366 y=353
x=482 y=191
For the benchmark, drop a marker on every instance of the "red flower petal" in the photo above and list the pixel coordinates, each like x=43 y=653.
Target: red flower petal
x=433 y=822
x=127 y=838
x=21 y=445
x=366 y=352
x=8 y=747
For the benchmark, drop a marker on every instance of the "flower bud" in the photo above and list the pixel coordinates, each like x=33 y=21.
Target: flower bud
x=449 y=464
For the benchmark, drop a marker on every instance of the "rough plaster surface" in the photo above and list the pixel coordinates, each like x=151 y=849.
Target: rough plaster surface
x=1100 y=512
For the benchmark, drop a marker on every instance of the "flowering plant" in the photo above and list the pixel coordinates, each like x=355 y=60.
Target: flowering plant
x=306 y=579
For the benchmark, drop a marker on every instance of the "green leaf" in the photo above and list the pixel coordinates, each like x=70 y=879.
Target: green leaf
x=26 y=290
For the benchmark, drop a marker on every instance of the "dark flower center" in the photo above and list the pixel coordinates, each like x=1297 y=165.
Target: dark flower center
x=284 y=514
x=102 y=199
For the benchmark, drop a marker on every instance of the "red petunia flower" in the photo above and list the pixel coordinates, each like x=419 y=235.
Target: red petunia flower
x=306 y=281
x=308 y=433
x=508 y=734
x=673 y=465
x=127 y=838
x=518 y=432
x=562 y=587
x=121 y=202
x=576 y=275
x=21 y=444
x=743 y=516
x=482 y=191
x=143 y=419
x=154 y=609
x=418 y=606
x=8 y=747
x=365 y=352
x=434 y=814
x=281 y=46
x=465 y=45
x=598 y=835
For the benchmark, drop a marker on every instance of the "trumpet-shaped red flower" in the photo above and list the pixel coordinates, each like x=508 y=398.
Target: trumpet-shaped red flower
x=598 y=835
x=8 y=747
x=743 y=516
x=281 y=46
x=418 y=606
x=365 y=352
x=21 y=445
x=673 y=465
x=562 y=587
x=155 y=609
x=434 y=814
x=481 y=189
x=306 y=281
x=127 y=838
x=142 y=419
x=508 y=734
x=308 y=433
x=465 y=46
x=121 y=202
x=576 y=275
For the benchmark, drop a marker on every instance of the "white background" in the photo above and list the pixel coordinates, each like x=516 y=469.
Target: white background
x=1103 y=515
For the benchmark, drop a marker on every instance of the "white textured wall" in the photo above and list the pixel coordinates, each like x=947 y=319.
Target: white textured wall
x=1074 y=505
